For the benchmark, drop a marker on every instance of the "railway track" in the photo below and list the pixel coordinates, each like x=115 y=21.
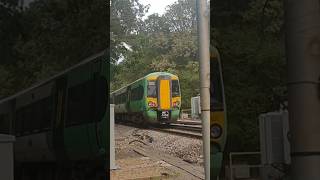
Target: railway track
x=188 y=122
x=194 y=131
x=180 y=132
x=192 y=128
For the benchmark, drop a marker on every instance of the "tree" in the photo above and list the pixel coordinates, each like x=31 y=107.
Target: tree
x=10 y=29
x=253 y=67
x=162 y=43
x=49 y=37
x=181 y=16
x=155 y=24
x=126 y=16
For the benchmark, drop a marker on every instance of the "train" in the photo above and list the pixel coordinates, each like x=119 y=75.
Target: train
x=218 y=118
x=150 y=100
x=61 y=124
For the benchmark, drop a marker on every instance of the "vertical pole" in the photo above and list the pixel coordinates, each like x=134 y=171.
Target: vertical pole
x=6 y=157
x=112 y=143
x=204 y=43
x=230 y=166
x=302 y=20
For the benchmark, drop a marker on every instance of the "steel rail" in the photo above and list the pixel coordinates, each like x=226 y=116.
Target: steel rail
x=179 y=132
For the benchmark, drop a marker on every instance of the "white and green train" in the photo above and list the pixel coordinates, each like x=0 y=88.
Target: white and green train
x=61 y=121
x=152 y=99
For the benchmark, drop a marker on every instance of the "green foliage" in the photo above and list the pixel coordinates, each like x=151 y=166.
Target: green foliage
x=254 y=69
x=49 y=37
x=125 y=20
x=165 y=43
x=189 y=82
x=10 y=29
x=181 y=16
x=267 y=14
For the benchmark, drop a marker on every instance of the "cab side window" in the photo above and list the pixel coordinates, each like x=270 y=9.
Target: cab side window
x=137 y=93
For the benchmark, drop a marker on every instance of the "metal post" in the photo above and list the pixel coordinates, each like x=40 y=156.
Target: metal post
x=112 y=143
x=302 y=20
x=6 y=157
x=231 y=166
x=204 y=43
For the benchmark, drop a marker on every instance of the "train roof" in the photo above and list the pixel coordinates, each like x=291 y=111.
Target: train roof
x=146 y=76
x=90 y=58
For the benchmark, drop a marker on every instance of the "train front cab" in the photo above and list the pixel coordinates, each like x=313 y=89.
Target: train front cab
x=217 y=115
x=163 y=98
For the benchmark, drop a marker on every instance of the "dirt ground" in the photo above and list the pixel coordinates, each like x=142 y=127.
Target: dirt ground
x=133 y=165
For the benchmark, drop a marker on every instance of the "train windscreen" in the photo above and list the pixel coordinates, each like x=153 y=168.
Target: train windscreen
x=216 y=101
x=152 y=89
x=175 y=88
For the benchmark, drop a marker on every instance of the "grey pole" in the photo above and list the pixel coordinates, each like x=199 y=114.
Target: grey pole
x=6 y=157
x=204 y=44
x=302 y=20
x=112 y=141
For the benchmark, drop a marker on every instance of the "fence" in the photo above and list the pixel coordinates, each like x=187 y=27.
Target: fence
x=243 y=167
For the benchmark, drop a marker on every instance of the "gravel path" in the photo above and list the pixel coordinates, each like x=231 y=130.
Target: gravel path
x=188 y=149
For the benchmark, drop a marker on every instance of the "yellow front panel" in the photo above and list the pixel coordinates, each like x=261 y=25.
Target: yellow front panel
x=174 y=77
x=165 y=94
x=152 y=78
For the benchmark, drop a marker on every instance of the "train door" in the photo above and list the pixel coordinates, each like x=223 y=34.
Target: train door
x=164 y=97
x=92 y=127
x=99 y=103
x=79 y=114
x=59 y=119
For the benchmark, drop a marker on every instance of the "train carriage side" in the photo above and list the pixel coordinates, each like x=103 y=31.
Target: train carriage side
x=86 y=114
x=120 y=99
x=136 y=100
x=63 y=118
x=218 y=122
x=129 y=102
x=33 y=112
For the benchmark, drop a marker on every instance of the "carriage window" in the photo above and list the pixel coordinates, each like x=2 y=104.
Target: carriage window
x=116 y=99
x=19 y=122
x=46 y=112
x=152 y=89
x=112 y=100
x=4 y=124
x=28 y=123
x=100 y=96
x=175 y=88
x=123 y=98
x=34 y=117
x=120 y=98
x=80 y=103
x=137 y=93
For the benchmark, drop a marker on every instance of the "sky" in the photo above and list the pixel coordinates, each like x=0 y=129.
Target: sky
x=157 y=6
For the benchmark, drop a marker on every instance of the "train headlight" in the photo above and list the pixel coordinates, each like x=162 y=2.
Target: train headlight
x=176 y=104
x=215 y=131
x=152 y=104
